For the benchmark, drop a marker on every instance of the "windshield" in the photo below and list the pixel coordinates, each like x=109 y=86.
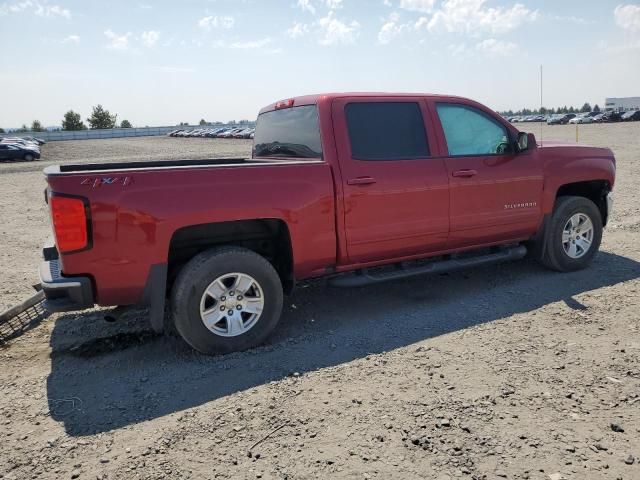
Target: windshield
x=290 y=132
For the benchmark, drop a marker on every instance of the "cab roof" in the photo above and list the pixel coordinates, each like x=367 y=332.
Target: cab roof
x=315 y=98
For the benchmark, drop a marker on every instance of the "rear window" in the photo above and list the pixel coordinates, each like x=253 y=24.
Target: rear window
x=290 y=132
x=386 y=131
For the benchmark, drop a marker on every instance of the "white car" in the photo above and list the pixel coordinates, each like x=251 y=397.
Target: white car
x=581 y=119
x=21 y=142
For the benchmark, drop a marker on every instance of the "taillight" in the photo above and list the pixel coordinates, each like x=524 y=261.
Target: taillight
x=285 y=104
x=70 y=220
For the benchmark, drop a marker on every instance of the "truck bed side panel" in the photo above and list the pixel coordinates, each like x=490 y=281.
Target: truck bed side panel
x=135 y=216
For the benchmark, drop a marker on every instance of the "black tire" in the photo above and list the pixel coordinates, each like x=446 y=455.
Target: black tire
x=29 y=158
x=199 y=273
x=554 y=256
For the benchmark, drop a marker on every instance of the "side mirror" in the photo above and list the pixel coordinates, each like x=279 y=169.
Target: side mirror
x=526 y=141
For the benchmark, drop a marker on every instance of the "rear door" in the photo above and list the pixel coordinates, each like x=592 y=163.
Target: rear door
x=495 y=194
x=396 y=200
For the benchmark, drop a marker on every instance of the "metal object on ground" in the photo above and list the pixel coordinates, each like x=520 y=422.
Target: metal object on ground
x=24 y=316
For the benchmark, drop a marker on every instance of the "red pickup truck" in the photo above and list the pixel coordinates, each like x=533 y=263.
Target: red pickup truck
x=359 y=188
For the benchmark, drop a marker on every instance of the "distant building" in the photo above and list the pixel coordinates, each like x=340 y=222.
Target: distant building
x=622 y=104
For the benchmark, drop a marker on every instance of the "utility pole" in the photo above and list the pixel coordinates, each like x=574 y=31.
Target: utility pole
x=541 y=103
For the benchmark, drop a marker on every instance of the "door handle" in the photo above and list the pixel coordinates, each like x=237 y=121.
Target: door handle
x=361 y=181
x=464 y=173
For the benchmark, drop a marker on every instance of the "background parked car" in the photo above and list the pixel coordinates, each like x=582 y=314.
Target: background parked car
x=612 y=117
x=631 y=116
x=220 y=133
x=213 y=132
x=584 y=118
x=555 y=120
x=20 y=141
x=16 y=152
x=560 y=119
x=243 y=133
x=39 y=141
x=230 y=133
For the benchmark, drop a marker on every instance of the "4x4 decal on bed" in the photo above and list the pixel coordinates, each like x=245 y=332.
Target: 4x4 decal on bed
x=99 y=181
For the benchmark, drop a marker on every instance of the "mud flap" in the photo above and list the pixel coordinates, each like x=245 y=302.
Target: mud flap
x=154 y=295
x=538 y=243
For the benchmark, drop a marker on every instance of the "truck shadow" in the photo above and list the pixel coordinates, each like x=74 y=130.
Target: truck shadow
x=107 y=376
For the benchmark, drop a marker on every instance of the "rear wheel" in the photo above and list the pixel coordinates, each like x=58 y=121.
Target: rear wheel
x=574 y=236
x=226 y=299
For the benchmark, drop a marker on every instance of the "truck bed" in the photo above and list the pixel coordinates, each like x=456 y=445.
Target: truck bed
x=137 y=208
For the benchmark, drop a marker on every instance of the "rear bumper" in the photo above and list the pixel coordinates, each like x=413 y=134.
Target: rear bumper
x=609 y=204
x=62 y=293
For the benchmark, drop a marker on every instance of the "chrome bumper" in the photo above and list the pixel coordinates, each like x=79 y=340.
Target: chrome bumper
x=62 y=293
x=609 y=204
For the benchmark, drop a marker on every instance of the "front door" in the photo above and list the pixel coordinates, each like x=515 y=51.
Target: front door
x=495 y=193
x=396 y=198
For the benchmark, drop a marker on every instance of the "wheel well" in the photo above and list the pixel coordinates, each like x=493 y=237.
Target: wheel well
x=267 y=237
x=594 y=190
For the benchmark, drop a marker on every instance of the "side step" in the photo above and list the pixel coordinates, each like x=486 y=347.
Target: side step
x=369 y=276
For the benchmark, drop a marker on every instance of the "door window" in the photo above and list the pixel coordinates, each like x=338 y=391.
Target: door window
x=469 y=131
x=386 y=131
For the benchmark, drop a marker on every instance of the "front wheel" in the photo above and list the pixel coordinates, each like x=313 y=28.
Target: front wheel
x=28 y=157
x=574 y=236
x=226 y=299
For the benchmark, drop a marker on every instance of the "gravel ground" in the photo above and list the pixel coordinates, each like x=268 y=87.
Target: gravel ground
x=510 y=371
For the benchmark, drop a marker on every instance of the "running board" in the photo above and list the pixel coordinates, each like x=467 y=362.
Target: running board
x=369 y=276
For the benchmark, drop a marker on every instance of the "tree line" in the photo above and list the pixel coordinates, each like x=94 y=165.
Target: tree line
x=99 y=118
x=551 y=111
x=102 y=118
